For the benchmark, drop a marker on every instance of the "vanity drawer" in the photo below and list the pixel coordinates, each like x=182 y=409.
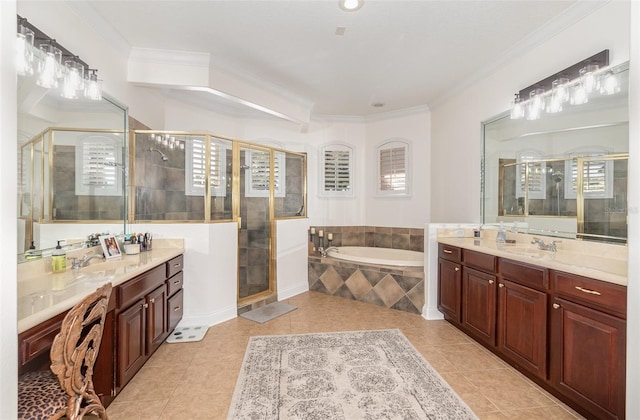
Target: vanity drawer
x=38 y=340
x=135 y=288
x=608 y=297
x=174 y=265
x=448 y=252
x=479 y=260
x=525 y=274
x=175 y=309
x=175 y=283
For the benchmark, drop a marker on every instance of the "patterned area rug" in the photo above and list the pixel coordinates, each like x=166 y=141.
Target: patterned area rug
x=349 y=375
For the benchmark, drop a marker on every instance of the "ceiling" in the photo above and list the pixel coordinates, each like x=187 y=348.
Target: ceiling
x=400 y=54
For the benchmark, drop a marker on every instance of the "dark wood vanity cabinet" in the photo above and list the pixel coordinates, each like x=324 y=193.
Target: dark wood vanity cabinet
x=146 y=316
x=588 y=343
x=449 y=282
x=522 y=315
x=566 y=332
x=479 y=296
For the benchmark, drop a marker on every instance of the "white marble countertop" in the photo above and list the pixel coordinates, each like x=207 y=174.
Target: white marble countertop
x=43 y=295
x=590 y=260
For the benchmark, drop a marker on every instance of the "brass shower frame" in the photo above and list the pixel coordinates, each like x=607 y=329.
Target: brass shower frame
x=579 y=185
x=235 y=199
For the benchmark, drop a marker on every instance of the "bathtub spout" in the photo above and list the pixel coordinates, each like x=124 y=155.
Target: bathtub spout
x=324 y=251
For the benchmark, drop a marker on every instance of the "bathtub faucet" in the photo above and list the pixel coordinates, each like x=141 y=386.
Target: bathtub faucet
x=324 y=251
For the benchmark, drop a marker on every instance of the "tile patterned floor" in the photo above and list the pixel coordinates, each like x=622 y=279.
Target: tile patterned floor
x=196 y=380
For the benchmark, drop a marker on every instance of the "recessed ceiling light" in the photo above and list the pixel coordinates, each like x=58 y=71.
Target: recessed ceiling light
x=340 y=30
x=350 y=5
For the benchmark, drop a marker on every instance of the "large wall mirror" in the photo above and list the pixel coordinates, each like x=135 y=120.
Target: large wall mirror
x=71 y=164
x=564 y=174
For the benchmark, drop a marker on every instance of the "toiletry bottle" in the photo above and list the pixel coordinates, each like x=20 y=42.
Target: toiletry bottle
x=32 y=253
x=501 y=237
x=58 y=259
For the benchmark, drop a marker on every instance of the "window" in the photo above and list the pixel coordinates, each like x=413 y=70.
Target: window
x=393 y=169
x=597 y=181
x=257 y=173
x=99 y=166
x=336 y=170
x=537 y=180
x=195 y=155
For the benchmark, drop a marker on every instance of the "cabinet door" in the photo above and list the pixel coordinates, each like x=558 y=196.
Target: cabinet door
x=449 y=283
x=131 y=341
x=588 y=358
x=156 y=318
x=479 y=305
x=522 y=326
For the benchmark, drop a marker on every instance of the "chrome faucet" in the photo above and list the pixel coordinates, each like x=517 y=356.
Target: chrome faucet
x=324 y=251
x=77 y=264
x=551 y=246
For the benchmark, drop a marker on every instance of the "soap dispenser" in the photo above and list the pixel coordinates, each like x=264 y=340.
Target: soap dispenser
x=58 y=259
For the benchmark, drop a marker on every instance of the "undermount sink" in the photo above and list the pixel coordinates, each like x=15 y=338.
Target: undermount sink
x=525 y=251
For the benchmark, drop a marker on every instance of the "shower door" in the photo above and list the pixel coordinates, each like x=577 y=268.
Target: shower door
x=255 y=271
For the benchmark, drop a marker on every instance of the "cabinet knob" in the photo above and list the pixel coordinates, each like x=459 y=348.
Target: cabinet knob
x=152 y=301
x=176 y=265
x=176 y=282
x=556 y=306
x=145 y=305
x=457 y=269
x=176 y=309
x=500 y=285
x=490 y=281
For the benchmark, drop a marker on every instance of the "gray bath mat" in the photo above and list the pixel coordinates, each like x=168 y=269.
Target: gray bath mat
x=268 y=312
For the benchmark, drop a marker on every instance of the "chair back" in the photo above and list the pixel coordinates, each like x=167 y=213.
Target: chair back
x=75 y=349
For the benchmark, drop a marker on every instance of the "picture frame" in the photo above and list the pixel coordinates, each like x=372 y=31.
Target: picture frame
x=110 y=246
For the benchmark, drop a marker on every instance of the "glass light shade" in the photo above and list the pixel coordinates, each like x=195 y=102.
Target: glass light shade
x=609 y=83
x=579 y=95
x=517 y=108
x=534 y=110
x=93 y=87
x=560 y=89
x=24 y=51
x=73 y=79
x=554 y=104
x=536 y=98
x=589 y=77
x=49 y=67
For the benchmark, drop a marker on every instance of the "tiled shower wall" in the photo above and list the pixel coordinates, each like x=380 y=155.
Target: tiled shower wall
x=400 y=288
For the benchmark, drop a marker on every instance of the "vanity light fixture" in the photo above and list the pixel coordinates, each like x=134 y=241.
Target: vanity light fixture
x=351 y=5
x=53 y=65
x=573 y=85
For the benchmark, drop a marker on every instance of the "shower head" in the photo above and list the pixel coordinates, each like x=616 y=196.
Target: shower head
x=162 y=155
x=557 y=176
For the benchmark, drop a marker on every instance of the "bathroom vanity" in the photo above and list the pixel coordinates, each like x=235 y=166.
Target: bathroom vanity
x=145 y=306
x=558 y=317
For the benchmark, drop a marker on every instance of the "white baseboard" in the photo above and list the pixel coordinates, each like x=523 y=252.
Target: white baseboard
x=210 y=319
x=432 y=314
x=294 y=290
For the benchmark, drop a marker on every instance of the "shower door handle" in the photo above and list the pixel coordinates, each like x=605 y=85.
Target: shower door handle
x=239 y=222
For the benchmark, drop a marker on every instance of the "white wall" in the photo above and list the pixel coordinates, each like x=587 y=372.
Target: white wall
x=8 y=214
x=413 y=126
x=456 y=122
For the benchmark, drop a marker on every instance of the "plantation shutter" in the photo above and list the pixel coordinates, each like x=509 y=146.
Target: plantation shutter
x=98 y=164
x=597 y=181
x=537 y=180
x=337 y=170
x=257 y=180
x=196 y=168
x=393 y=169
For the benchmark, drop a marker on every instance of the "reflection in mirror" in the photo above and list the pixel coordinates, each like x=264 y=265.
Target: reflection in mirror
x=564 y=174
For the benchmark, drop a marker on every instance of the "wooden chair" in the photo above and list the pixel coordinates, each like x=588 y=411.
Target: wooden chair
x=67 y=389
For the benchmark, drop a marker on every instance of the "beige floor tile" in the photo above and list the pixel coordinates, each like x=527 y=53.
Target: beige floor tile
x=136 y=410
x=197 y=380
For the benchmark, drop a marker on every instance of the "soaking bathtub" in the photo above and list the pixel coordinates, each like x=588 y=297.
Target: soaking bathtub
x=382 y=256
